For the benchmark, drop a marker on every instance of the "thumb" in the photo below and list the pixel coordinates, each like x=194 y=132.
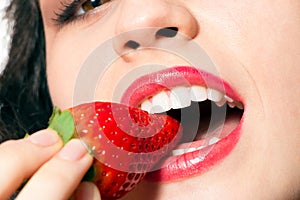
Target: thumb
x=87 y=190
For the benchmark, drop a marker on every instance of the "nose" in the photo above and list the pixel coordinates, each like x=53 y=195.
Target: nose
x=143 y=24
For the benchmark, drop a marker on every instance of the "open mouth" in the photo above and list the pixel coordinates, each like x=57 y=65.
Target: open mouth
x=209 y=111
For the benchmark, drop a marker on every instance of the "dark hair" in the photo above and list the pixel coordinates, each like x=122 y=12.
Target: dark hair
x=25 y=104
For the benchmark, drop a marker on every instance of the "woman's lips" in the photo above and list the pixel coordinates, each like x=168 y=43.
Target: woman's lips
x=200 y=159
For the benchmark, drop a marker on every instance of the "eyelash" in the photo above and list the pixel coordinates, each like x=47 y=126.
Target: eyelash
x=67 y=13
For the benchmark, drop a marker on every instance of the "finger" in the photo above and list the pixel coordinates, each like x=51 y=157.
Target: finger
x=21 y=158
x=59 y=177
x=87 y=190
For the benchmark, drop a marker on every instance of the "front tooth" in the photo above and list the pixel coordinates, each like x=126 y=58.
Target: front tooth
x=146 y=105
x=201 y=147
x=231 y=104
x=189 y=150
x=214 y=95
x=160 y=102
x=239 y=105
x=213 y=140
x=228 y=98
x=180 y=97
x=221 y=102
x=198 y=93
x=177 y=152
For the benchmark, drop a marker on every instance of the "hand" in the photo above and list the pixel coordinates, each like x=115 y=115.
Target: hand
x=54 y=171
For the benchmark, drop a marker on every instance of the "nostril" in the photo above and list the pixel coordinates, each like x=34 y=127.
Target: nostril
x=132 y=44
x=167 y=32
x=163 y=32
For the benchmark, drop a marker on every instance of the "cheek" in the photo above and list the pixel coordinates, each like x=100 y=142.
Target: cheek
x=269 y=52
x=67 y=52
x=64 y=59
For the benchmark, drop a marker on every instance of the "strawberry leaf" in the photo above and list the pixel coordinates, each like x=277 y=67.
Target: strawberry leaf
x=62 y=123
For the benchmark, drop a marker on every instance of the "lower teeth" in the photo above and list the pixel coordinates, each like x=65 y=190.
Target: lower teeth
x=178 y=152
x=215 y=123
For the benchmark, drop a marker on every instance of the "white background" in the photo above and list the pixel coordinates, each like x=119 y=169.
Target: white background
x=4 y=36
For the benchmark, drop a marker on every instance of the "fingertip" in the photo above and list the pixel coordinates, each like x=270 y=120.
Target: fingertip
x=87 y=190
x=45 y=138
x=73 y=151
x=20 y=159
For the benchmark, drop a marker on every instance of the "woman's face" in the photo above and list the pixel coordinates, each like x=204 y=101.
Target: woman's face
x=254 y=48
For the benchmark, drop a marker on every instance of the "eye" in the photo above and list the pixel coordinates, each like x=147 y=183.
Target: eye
x=76 y=10
x=90 y=5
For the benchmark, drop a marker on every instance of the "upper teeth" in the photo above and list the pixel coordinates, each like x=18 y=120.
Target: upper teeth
x=181 y=97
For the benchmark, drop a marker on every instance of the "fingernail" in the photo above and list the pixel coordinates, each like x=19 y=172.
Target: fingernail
x=44 y=138
x=72 y=151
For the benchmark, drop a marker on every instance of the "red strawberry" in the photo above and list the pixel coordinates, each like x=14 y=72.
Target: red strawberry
x=126 y=142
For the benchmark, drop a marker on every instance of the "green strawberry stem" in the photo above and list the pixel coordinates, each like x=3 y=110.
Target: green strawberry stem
x=63 y=124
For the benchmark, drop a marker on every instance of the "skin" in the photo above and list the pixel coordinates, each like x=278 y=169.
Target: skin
x=44 y=161
x=255 y=47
